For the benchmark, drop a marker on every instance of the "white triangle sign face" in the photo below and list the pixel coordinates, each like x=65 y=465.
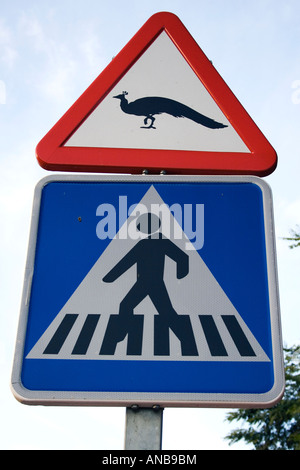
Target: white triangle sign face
x=81 y=328
x=159 y=105
x=162 y=90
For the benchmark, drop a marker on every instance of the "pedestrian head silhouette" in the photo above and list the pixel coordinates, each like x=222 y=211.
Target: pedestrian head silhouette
x=148 y=223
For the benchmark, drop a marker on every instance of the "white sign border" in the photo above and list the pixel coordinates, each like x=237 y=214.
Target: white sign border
x=127 y=399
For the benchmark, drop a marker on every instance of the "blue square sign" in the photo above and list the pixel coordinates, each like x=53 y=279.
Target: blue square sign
x=150 y=291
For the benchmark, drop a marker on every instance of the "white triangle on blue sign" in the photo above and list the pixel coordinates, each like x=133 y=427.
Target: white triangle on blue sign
x=197 y=296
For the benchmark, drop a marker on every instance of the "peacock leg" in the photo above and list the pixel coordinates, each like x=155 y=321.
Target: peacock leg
x=151 y=124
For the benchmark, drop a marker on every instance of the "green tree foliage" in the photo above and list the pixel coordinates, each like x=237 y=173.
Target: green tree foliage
x=294 y=238
x=276 y=428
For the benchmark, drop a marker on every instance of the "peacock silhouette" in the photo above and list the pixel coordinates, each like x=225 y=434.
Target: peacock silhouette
x=151 y=105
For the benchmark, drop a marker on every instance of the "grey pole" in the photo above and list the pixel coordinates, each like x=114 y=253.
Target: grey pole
x=143 y=428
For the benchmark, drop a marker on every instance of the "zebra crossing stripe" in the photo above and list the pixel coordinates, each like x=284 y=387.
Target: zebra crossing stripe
x=161 y=336
x=212 y=335
x=238 y=336
x=86 y=334
x=61 y=334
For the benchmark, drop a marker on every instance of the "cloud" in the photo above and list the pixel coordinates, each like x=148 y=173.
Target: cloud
x=8 y=53
x=286 y=214
x=68 y=59
x=91 y=48
x=32 y=27
x=20 y=173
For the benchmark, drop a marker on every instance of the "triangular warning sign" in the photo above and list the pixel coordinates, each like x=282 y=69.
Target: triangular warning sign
x=209 y=326
x=159 y=105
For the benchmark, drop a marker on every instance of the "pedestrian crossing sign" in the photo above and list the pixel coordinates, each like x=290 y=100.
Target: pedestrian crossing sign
x=150 y=290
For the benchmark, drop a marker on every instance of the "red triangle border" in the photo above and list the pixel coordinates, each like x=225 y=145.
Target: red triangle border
x=52 y=155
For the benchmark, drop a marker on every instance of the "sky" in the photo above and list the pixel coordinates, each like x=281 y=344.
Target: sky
x=50 y=52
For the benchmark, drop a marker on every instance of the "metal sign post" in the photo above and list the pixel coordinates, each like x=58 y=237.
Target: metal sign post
x=143 y=428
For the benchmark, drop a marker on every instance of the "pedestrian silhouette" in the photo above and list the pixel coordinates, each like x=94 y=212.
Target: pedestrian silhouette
x=149 y=256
